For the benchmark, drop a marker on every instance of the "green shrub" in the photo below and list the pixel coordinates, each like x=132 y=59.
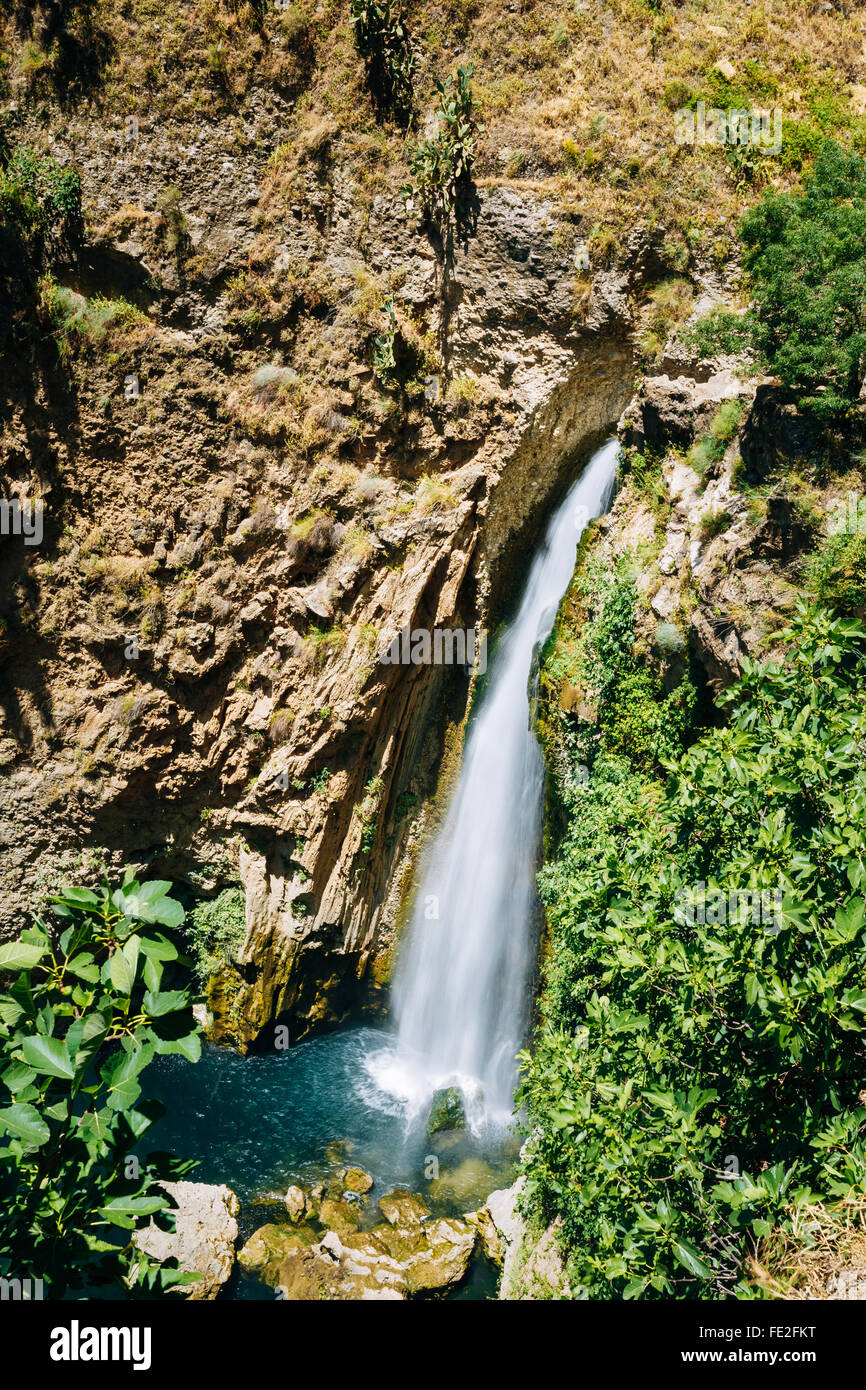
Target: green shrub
x=442 y=166
x=77 y=320
x=635 y=719
x=216 y=932
x=668 y=639
x=384 y=361
x=383 y=40
x=713 y=523
x=83 y=1015
x=837 y=573
x=712 y=447
x=697 y=1082
x=805 y=255
x=38 y=196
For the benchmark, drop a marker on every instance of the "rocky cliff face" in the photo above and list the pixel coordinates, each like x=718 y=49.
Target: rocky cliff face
x=239 y=514
x=239 y=517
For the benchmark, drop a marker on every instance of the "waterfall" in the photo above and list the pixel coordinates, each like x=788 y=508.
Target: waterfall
x=462 y=984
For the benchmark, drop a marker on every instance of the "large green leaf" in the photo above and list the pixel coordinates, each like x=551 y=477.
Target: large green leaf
x=149 y=903
x=20 y=955
x=124 y=963
x=165 y=1002
x=25 y=1122
x=48 y=1056
x=691 y=1260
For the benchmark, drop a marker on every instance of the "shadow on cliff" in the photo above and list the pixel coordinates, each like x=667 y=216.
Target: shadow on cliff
x=445 y=237
x=72 y=48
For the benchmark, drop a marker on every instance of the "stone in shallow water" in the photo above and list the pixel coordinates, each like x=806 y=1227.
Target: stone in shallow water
x=337 y=1150
x=447 y=1111
x=340 y=1216
x=469 y=1180
x=269 y=1246
x=296 y=1203
x=356 y=1180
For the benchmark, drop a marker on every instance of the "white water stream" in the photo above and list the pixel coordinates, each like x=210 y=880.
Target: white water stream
x=462 y=986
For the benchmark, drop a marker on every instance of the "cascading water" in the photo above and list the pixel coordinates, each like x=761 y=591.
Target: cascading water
x=267 y=1122
x=461 y=990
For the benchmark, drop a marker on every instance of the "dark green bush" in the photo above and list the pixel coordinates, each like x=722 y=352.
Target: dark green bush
x=695 y=1082
x=83 y=1015
x=383 y=40
x=38 y=197
x=805 y=255
x=216 y=931
x=838 y=572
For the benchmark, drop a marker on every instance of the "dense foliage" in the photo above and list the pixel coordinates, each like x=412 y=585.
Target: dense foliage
x=701 y=1068
x=84 y=1015
x=633 y=717
x=215 y=932
x=837 y=572
x=39 y=199
x=805 y=255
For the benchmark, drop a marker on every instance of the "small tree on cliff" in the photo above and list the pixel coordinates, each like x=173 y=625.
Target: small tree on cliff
x=805 y=255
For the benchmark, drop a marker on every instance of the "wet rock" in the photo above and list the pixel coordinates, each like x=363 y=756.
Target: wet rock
x=203 y=1241
x=386 y=1262
x=471 y=1179
x=269 y=1246
x=491 y=1242
x=356 y=1180
x=341 y=1272
x=340 y=1216
x=446 y=1112
x=337 y=1150
x=296 y=1203
x=434 y=1256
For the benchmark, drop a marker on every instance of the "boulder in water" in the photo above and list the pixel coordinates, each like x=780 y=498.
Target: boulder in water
x=269 y=1246
x=340 y=1216
x=337 y=1150
x=296 y=1203
x=334 y=1269
x=446 y=1112
x=434 y=1256
x=388 y=1262
x=464 y=1181
x=356 y=1180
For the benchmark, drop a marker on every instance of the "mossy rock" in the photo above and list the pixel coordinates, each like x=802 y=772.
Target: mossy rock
x=434 y=1257
x=470 y=1180
x=269 y=1246
x=446 y=1112
x=356 y=1180
x=402 y=1208
x=338 y=1215
x=337 y=1150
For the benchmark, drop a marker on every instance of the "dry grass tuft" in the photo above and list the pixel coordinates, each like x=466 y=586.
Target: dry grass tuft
x=826 y=1241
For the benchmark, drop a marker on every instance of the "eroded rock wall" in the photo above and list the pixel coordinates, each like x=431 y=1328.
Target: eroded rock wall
x=234 y=532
